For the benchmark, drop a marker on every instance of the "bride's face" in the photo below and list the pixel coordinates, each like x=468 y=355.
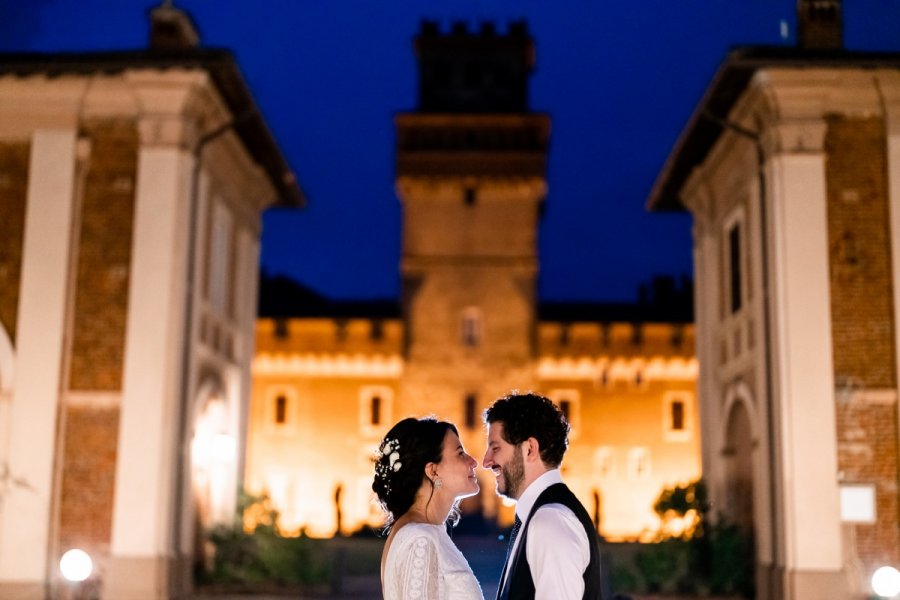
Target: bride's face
x=456 y=469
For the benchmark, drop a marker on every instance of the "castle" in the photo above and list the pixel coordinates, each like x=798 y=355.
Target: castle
x=329 y=379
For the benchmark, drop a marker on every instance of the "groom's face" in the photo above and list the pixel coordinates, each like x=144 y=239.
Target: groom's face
x=505 y=460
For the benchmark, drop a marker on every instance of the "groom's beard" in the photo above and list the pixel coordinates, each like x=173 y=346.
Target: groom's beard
x=513 y=474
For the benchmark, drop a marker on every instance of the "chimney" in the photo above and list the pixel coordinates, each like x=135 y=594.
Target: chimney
x=819 y=24
x=172 y=29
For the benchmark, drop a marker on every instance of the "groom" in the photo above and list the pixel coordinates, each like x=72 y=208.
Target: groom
x=554 y=550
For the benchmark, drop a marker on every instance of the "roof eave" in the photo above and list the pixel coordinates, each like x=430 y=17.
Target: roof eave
x=728 y=84
x=222 y=67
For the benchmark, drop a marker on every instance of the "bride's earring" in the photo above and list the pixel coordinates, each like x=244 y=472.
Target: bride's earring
x=438 y=482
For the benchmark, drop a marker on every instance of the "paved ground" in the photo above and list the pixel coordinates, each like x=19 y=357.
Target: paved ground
x=484 y=553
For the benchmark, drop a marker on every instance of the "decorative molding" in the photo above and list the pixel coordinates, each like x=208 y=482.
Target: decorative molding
x=884 y=397
x=93 y=399
x=794 y=137
x=328 y=365
x=618 y=368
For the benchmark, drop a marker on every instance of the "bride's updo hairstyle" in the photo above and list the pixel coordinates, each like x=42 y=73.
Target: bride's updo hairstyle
x=400 y=462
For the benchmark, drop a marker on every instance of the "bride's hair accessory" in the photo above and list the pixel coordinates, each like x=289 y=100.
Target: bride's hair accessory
x=388 y=458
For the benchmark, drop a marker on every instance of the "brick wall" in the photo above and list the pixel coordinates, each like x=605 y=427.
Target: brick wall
x=13 y=189
x=863 y=325
x=88 y=481
x=867 y=452
x=861 y=292
x=104 y=255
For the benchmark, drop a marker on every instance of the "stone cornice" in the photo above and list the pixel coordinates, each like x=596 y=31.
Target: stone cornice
x=328 y=365
x=447 y=187
x=794 y=137
x=653 y=368
x=173 y=107
x=39 y=102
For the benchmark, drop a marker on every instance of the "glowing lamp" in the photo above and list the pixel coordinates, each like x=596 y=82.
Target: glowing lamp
x=886 y=582
x=76 y=565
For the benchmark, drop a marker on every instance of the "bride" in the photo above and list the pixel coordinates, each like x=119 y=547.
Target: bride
x=421 y=473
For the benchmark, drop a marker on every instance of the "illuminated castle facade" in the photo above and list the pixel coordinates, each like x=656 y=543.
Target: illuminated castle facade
x=790 y=167
x=330 y=379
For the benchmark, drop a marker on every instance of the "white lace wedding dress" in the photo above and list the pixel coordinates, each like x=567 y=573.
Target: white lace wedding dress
x=423 y=563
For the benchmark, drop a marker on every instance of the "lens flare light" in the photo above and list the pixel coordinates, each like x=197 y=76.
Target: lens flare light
x=886 y=582
x=76 y=565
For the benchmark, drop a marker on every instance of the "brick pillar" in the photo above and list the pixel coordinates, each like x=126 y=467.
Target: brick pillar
x=806 y=447
x=41 y=324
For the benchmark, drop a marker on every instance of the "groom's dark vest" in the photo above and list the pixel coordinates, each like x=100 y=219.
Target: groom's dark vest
x=519 y=584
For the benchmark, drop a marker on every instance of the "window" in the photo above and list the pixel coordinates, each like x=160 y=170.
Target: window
x=639 y=464
x=281 y=328
x=375 y=408
x=471 y=326
x=604 y=464
x=677 y=416
x=220 y=259
x=471 y=406
x=734 y=266
x=280 y=410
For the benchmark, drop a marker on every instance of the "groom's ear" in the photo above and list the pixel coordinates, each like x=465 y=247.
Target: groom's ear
x=531 y=451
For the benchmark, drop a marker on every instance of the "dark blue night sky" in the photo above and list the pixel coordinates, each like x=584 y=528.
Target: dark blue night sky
x=619 y=78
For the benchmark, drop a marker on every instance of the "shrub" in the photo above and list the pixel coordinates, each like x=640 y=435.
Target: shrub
x=708 y=556
x=262 y=555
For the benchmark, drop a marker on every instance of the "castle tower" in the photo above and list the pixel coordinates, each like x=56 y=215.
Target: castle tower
x=819 y=24
x=471 y=164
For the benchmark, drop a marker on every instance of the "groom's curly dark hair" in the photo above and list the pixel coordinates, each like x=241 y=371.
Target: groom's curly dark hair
x=526 y=415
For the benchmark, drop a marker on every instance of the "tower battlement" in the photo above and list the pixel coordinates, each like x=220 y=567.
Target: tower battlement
x=514 y=29
x=480 y=70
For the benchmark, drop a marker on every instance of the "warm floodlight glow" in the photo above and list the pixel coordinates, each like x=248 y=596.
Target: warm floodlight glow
x=886 y=582
x=76 y=565
x=223 y=447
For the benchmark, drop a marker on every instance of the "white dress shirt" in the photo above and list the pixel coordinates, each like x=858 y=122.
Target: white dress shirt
x=557 y=546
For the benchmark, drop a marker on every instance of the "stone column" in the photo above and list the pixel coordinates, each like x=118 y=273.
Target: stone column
x=142 y=547
x=40 y=341
x=806 y=447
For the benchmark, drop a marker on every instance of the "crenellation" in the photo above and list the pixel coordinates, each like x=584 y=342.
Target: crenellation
x=329 y=335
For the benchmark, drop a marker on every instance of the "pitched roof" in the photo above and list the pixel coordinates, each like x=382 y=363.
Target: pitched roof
x=728 y=84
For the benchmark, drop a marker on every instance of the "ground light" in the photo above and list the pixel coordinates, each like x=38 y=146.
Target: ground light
x=886 y=582
x=76 y=565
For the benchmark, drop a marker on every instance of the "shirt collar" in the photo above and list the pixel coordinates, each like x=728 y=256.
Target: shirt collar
x=530 y=495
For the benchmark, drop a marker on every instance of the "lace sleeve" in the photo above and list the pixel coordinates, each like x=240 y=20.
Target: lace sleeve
x=418 y=573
